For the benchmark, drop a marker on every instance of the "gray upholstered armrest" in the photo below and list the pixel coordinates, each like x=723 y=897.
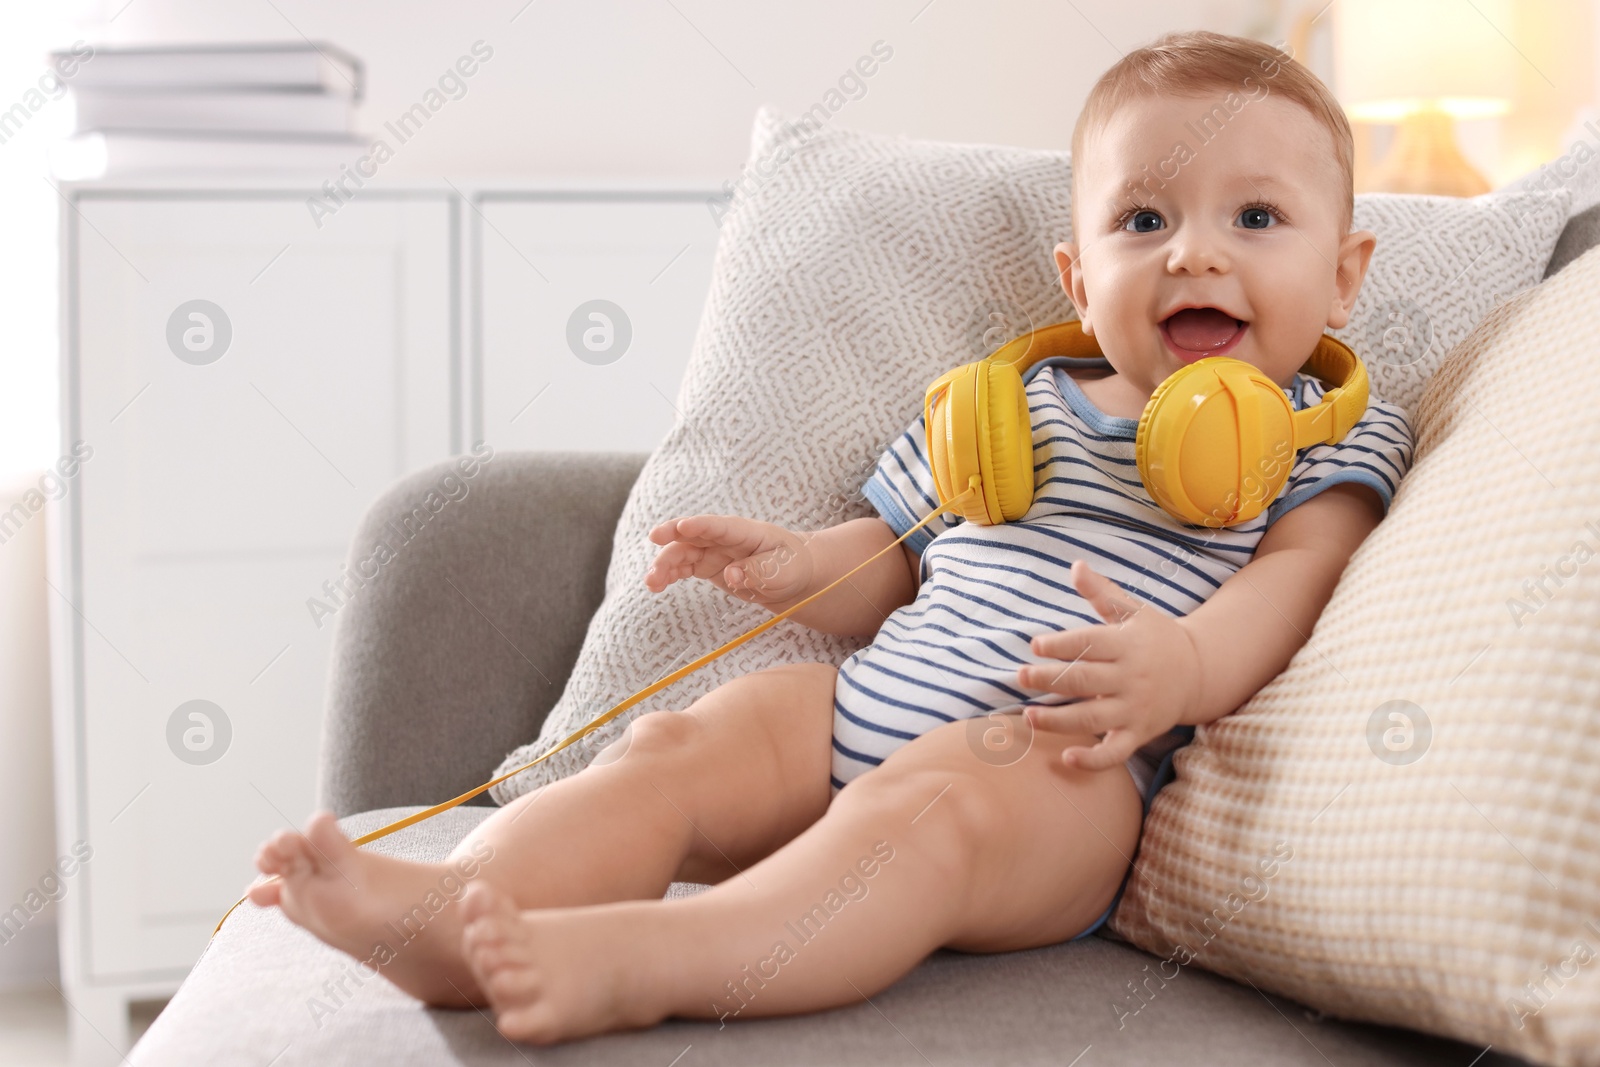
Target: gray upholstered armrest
x=1581 y=233
x=452 y=654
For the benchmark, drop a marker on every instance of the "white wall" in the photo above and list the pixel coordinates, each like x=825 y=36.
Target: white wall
x=648 y=87
x=27 y=844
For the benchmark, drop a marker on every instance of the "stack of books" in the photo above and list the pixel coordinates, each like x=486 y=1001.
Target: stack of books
x=211 y=108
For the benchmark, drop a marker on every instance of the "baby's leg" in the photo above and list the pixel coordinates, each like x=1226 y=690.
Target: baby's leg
x=939 y=846
x=693 y=795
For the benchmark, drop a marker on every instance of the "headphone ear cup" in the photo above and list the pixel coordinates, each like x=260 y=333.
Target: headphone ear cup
x=977 y=423
x=1216 y=442
x=1006 y=433
x=950 y=415
x=935 y=413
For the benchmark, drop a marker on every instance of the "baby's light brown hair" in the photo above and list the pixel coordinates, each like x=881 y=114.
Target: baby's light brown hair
x=1196 y=63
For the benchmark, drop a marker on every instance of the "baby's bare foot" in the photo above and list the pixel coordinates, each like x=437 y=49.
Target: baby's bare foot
x=559 y=973
x=398 y=917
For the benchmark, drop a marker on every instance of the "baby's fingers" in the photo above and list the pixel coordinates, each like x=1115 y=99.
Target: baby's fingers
x=1095 y=716
x=704 y=530
x=1077 y=678
x=673 y=563
x=1081 y=643
x=1116 y=747
x=681 y=528
x=663 y=532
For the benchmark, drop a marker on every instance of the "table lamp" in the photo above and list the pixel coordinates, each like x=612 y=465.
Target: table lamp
x=1424 y=64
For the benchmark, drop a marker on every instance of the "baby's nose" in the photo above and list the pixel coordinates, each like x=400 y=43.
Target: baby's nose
x=1195 y=251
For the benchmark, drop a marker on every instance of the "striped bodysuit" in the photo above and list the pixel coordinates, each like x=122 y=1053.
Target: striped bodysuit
x=985 y=591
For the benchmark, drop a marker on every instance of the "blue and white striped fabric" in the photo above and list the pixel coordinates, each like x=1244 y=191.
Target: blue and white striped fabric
x=986 y=591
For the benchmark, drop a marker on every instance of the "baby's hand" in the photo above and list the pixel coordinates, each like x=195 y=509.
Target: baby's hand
x=1139 y=675
x=756 y=561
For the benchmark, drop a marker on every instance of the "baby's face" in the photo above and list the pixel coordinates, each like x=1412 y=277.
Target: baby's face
x=1249 y=224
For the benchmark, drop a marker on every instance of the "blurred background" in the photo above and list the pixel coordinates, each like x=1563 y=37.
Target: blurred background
x=263 y=257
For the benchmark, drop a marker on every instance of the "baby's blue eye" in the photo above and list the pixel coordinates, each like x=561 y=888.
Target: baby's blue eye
x=1143 y=222
x=1256 y=218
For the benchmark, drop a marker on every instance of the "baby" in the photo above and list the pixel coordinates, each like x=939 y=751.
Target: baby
x=977 y=776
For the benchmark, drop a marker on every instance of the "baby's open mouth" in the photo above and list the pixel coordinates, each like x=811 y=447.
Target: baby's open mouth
x=1194 y=333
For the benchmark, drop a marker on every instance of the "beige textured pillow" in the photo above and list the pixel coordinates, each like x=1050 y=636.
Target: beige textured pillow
x=1404 y=826
x=852 y=270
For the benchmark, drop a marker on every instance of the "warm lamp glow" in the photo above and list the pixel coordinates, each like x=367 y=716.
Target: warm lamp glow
x=1424 y=64
x=1387 y=52
x=1457 y=107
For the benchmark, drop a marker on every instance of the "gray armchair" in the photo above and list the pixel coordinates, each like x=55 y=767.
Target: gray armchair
x=454 y=655
x=451 y=658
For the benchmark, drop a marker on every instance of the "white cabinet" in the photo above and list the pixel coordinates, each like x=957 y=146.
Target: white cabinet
x=248 y=383
x=587 y=310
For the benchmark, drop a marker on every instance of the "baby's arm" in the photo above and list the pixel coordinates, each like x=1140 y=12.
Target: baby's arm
x=777 y=568
x=1249 y=629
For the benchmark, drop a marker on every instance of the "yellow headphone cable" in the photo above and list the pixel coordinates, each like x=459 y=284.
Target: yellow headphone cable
x=643 y=694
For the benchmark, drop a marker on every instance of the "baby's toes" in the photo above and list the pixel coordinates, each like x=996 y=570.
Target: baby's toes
x=283 y=854
x=488 y=951
x=305 y=860
x=266 y=894
x=483 y=951
x=484 y=906
x=268 y=860
x=505 y=983
x=327 y=842
x=534 y=1023
x=510 y=987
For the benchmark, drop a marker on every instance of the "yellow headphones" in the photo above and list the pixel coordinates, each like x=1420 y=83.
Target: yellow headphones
x=1215 y=443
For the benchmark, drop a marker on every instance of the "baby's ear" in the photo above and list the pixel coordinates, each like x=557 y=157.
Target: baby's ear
x=1066 y=255
x=1071 y=275
x=1354 y=256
